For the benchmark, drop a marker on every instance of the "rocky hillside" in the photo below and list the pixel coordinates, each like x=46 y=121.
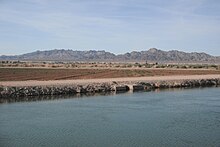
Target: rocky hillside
x=63 y=55
x=151 y=55
x=154 y=54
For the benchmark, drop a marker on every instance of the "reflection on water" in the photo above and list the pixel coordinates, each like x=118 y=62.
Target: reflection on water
x=171 y=117
x=51 y=97
x=78 y=95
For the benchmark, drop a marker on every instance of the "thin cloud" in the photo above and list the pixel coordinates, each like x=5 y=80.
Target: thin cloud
x=124 y=24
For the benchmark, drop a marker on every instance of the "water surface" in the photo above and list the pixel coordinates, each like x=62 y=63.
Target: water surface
x=159 y=118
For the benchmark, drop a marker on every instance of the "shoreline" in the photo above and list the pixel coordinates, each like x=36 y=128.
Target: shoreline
x=107 y=80
x=16 y=89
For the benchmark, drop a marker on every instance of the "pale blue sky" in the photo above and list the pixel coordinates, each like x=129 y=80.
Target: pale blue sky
x=117 y=26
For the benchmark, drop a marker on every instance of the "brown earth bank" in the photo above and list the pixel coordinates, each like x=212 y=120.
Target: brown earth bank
x=41 y=74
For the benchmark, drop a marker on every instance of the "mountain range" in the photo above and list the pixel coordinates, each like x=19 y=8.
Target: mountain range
x=151 y=55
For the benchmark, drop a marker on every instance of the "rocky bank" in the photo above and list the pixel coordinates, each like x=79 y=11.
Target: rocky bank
x=26 y=91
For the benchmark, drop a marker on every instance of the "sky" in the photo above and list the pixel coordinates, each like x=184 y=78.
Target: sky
x=117 y=26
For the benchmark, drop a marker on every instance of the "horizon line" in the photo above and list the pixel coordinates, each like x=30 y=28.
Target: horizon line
x=42 y=50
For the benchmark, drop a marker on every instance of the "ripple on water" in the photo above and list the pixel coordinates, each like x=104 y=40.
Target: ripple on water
x=167 y=118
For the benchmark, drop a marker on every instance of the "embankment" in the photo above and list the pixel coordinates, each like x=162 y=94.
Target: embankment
x=37 y=88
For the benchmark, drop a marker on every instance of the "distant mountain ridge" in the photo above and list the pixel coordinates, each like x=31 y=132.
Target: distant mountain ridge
x=151 y=55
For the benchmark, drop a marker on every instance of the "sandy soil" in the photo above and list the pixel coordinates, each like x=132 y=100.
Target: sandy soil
x=39 y=74
x=90 y=81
